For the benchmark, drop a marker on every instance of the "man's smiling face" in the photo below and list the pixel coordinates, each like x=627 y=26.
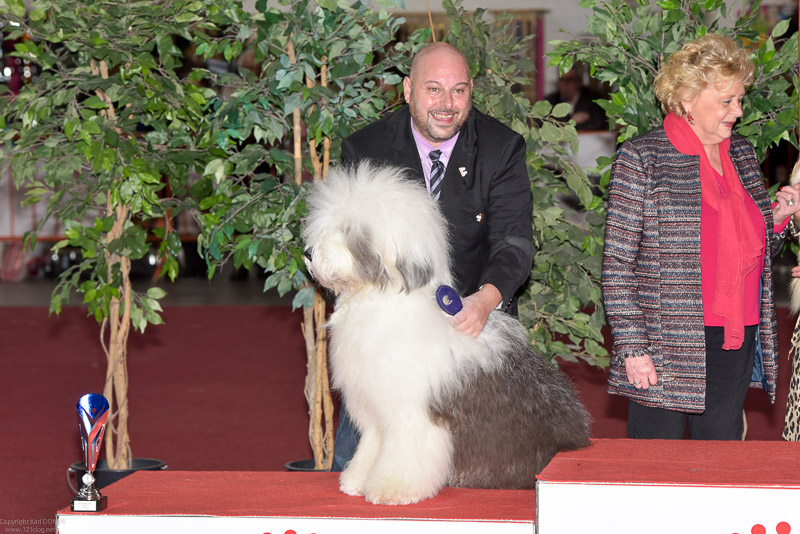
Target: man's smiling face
x=439 y=95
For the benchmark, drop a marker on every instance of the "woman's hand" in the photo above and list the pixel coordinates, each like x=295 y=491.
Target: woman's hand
x=788 y=203
x=641 y=371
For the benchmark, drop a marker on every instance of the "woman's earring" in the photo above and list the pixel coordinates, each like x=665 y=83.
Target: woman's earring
x=689 y=118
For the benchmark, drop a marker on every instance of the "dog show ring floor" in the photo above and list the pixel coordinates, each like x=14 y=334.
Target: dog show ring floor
x=614 y=486
x=280 y=503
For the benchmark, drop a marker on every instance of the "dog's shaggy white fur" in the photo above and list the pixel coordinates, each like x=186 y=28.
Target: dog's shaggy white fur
x=433 y=406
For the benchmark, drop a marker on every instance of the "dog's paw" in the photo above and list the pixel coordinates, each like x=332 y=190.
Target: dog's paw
x=395 y=496
x=351 y=484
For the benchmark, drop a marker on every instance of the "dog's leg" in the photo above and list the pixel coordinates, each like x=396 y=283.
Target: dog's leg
x=354 y=477
x=413 y=464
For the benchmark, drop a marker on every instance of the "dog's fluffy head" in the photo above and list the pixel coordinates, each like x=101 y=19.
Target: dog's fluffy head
x=370 y=226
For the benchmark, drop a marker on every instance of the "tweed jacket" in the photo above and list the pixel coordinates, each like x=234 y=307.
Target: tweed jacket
x=651 y=269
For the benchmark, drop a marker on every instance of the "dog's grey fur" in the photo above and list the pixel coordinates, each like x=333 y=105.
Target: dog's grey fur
x=509 y=423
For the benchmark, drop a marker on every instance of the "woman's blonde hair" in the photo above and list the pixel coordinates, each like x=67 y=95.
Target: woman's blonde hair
x=707 y=60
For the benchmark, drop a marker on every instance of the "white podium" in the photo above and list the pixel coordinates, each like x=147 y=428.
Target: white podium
x=658 y=486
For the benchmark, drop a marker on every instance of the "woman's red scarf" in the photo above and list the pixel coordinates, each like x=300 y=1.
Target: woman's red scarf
x=738 y=248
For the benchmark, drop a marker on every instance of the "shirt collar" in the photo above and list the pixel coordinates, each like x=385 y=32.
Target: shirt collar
x=425 y=148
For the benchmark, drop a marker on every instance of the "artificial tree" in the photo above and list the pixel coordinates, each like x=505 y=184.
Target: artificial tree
x=561 y=306
x=627 y=42
x=106 y=138
x=320 y=71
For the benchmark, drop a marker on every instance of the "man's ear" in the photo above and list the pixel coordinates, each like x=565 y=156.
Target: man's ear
x=407 y=88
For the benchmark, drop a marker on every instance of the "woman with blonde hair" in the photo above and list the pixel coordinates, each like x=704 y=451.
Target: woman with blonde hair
x=687 y=262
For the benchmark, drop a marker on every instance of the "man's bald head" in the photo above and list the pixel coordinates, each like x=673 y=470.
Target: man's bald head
x=440 y=52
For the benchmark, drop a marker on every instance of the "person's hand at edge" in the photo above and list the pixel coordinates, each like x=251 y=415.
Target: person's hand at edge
x=477 y=307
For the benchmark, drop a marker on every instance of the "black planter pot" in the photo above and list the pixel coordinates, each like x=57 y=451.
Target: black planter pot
x=105 y=476
x=303 y=465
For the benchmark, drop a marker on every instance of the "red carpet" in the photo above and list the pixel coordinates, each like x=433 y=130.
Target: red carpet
x=680 y=462
x=668 y=487
x=296 y=495
x=214 y=389
x=652 y=479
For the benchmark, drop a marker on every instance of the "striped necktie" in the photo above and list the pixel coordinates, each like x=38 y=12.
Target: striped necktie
x=437 y=174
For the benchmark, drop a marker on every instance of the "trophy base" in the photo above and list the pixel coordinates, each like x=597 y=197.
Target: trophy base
x=80 y=505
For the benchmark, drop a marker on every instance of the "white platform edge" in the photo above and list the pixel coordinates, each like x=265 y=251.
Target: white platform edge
x=655 y=509
x=130 y=524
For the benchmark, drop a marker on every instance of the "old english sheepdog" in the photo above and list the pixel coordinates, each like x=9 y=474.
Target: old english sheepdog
x=433 y=406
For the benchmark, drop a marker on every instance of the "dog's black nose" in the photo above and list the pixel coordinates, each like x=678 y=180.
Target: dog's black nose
x=308 y=253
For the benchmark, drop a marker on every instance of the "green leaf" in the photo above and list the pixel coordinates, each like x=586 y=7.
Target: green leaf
x=222 y=140
x=392 y=79
x=542 y=108
x=272 y=281
x=336 y=49
x=94 y=102
x=284 y=286
x=156 y=293
x=216 y=168
x=780 y=28
x=561 y=109
x=304 y=298
x=293 y=102
x=17 y=7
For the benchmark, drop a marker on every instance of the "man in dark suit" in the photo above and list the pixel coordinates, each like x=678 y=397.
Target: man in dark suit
x=587 y=114
x=475 y=167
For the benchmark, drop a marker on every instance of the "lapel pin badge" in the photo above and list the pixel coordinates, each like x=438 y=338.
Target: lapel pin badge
x=463 y=171
x=479 y=217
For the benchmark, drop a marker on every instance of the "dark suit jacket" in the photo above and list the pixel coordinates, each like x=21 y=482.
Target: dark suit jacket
x=486 y=196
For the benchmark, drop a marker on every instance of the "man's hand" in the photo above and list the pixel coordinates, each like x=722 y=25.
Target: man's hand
x=477 y=307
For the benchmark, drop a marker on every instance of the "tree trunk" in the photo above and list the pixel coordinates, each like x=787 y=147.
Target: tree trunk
x=118 y=323
x=317 y=386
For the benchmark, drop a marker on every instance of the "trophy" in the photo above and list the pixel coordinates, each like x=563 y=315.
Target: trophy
x=92 y=416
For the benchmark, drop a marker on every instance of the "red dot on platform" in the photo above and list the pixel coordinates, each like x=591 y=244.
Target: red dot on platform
x=758 y=529
x=783 y=528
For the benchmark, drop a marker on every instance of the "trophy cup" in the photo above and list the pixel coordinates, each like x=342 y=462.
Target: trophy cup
x=92 y=416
